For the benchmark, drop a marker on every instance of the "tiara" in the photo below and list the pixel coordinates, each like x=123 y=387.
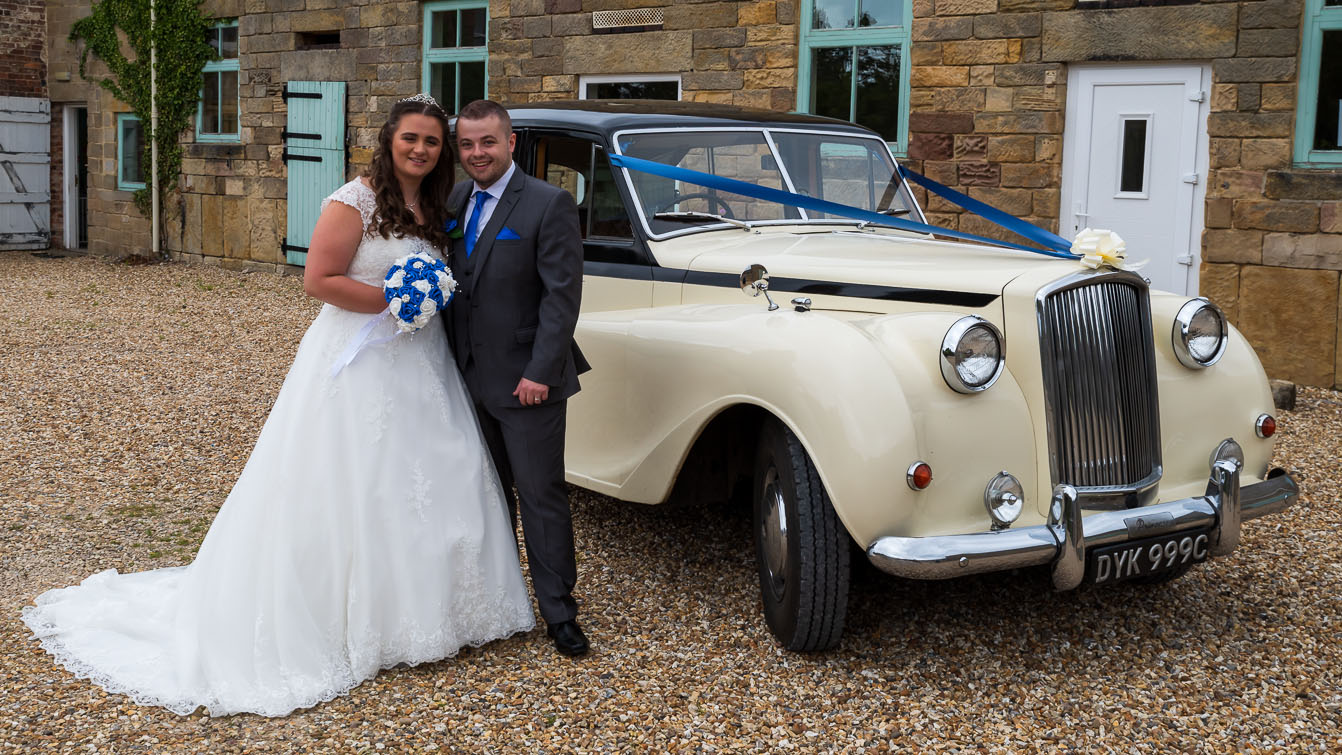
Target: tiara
x=423 y=97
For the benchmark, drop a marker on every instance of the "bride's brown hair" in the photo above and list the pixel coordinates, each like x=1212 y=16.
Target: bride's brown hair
x=393 y=217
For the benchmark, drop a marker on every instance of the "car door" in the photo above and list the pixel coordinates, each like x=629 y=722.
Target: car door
x=617 y=286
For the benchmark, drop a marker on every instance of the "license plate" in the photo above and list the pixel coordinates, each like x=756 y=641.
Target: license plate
x=1142 y=558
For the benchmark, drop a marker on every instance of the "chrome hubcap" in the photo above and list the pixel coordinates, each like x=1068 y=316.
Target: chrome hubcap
x=773 y=533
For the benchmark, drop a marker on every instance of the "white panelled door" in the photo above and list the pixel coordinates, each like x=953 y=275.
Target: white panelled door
x=1135 y=162
x=25 y=173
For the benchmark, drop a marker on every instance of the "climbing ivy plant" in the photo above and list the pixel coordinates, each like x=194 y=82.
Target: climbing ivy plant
x=116 y=28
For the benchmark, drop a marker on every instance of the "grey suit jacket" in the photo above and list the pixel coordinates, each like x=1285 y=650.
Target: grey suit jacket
x=517 y=299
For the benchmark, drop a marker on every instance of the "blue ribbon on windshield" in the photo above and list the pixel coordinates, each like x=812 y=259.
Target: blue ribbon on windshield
x=1057 y=246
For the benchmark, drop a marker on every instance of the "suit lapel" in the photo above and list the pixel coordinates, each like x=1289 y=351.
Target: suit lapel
x=485 y=244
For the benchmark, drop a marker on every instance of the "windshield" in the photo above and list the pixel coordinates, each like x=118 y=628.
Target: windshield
x=849 y=170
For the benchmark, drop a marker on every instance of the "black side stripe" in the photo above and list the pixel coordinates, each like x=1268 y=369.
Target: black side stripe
x=793 y=285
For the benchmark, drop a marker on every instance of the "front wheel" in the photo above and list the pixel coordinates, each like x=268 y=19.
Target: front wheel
x=801 y=546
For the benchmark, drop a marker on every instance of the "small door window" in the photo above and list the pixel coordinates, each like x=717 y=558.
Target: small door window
x=581 y=167
x=1134 y=156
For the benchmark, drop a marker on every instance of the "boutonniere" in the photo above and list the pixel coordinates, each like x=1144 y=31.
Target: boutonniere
x=1098 y=247
x=453 y=230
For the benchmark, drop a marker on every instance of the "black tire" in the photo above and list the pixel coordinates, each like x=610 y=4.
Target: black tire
x=805 y=587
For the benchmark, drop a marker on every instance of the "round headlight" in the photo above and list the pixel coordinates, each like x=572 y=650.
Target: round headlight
x=971 y=354
x=1004 y=499
x=1200 y=334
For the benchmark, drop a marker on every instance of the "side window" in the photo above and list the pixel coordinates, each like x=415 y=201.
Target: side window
x=217 y=114
x=1318 y=114
x=582 y=168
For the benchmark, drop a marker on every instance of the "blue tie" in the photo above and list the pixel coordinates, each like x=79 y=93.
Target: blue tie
x=473 y=225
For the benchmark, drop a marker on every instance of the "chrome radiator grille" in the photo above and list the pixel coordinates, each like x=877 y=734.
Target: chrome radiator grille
x=1099 y=370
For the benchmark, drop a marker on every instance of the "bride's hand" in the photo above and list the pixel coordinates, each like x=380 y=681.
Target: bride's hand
x=334 y=242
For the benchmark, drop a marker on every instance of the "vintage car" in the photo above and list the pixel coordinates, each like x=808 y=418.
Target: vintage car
x=949 y=408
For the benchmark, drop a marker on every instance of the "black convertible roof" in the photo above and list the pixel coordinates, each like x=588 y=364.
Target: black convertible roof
x=609 y=116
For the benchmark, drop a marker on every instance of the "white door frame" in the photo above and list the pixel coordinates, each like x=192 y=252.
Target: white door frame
x=69 y=170
x=1194 y=148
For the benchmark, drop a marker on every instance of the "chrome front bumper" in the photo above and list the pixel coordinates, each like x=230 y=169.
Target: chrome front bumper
x=1064 y=540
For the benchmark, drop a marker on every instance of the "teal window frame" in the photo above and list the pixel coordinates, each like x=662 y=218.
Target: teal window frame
x=123 y=185
x=222 y=65
x=452 y=54
x=1318 y=18
x=867 y=36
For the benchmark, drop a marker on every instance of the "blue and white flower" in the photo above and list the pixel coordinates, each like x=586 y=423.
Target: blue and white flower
x=416 y=288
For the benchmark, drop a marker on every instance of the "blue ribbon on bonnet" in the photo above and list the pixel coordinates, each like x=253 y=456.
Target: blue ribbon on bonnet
x=1056 y=245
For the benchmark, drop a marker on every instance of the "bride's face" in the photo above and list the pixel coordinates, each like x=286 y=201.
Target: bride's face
x=416 y=145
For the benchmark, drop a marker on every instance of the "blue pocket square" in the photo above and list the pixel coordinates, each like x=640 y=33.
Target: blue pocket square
x=450 y=225
x=507 y=234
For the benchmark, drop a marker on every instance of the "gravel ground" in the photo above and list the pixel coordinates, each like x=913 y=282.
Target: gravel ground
x=132 y=395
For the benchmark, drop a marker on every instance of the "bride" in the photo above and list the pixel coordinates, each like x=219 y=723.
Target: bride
x=367 y=529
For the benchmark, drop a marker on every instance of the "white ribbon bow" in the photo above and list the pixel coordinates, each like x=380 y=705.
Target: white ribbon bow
x=1098 y=246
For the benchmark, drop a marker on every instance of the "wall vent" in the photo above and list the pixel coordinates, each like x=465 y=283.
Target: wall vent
x=634 y=19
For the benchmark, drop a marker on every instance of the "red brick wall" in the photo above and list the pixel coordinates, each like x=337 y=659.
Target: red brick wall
x=57 y=177
x=23 y=67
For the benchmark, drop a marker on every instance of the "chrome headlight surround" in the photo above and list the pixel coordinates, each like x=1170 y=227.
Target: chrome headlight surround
x=1200 y=334
x=1004 y=498
x=954 y=359
x=1230 y=450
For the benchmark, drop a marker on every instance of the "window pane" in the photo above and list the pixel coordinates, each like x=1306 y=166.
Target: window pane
x=848 y=170
x=472 y=83
x=473 y=27
x=443 y=29
x=632 y=90
x=831 y=82
x=1327 y=125
x=131 y=137
x=878 y=90
x=743 y=156
x=609 y=217
x=228 y=102
x=1133 y=171
x=880 y=13
x=834 y=14
x=228 y=41
x=443 y=84
x=212 y=36
x=209 y=121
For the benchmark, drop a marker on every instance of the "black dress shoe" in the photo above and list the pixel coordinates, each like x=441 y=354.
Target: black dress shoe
x=568 y=638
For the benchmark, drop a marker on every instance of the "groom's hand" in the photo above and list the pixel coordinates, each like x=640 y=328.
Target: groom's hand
x=529 y=393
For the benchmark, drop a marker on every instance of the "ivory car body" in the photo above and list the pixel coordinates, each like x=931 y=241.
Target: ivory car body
x=948 y=408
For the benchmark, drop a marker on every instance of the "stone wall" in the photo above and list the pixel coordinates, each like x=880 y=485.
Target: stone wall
x=23 y=54
x=737 y=53
x=233 y=210
x=988 y=100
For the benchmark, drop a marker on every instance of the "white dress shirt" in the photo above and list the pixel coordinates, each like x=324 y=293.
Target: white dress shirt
x=495 y=193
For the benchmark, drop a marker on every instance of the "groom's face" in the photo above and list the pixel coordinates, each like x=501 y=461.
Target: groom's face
x=485 y=147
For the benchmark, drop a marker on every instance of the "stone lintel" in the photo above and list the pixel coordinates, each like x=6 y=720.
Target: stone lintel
x=1169 y=33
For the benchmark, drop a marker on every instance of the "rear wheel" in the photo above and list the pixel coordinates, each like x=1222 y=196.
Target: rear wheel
x=800 y=545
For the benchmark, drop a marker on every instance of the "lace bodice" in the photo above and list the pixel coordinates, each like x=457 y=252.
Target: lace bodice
x=375 y=254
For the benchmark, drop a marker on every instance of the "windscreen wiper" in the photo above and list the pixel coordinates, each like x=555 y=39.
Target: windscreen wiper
x=692 y=216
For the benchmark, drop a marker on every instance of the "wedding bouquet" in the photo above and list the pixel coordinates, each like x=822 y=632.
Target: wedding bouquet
x=416 y=288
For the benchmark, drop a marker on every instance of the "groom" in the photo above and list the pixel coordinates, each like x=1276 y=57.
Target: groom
x=518 y=267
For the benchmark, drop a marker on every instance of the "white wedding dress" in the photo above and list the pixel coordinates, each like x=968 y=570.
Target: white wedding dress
x=367 y=529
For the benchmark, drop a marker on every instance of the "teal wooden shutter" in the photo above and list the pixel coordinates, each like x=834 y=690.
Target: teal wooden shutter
x=314 y=151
